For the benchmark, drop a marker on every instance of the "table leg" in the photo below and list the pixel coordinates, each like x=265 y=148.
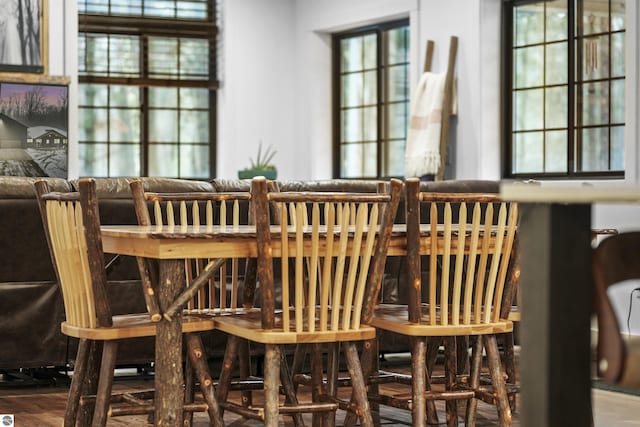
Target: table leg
x=556 y=309
x=168 y=369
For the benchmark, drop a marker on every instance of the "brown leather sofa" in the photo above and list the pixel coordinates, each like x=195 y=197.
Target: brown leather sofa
x=31 y=307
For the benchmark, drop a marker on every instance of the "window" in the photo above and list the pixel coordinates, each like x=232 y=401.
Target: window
x=147 y=93
x=371 y=100
x=565 y=96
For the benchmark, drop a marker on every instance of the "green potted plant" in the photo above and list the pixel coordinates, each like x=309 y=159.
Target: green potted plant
x=262 y=165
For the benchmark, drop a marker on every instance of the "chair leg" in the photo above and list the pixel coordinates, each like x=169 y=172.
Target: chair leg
x=450 y=372
x=419 y=381
x=77 y=382
x=105 y=383
x=497 y=378
x=333 y=367
x=509 y=360
x=289 y=389
x=358 y=384
x=433 y=347
x=189 y=391
x=195 y=350
x=271 y=384
x=474 y=381
x=224 y=382
x=90 y=386
x=316 y=380
x=244 y=364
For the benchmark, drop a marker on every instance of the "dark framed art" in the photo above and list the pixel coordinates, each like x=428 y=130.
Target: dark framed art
x=23 y=36
x=34 y=129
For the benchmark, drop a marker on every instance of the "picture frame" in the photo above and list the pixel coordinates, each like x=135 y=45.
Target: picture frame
x=23 y=37
x=34 y=124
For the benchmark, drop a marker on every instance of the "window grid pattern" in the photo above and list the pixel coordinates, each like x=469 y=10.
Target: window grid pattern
x=372 y=100
x=567 y=89
x=147 y=98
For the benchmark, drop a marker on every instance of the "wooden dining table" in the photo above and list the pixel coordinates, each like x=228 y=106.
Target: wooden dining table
x=170 y=245
x=556 y=283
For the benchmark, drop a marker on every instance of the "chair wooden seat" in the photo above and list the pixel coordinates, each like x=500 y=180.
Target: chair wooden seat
x=249 y=326
x=393 y=318
x=133 y=326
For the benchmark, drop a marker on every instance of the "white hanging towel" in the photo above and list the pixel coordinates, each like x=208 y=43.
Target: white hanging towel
x=422 y=150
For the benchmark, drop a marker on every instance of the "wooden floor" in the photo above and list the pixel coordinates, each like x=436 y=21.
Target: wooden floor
x=43 y=405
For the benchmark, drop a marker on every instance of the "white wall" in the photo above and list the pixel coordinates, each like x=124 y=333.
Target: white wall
x=256 y=100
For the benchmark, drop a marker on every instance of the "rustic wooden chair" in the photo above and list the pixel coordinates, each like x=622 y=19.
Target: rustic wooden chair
x=473 y=247
x=212 y=285
x=615 y=260
x=72 y=227
x=342 y=265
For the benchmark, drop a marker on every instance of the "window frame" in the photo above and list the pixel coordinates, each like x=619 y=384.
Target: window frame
x=574 y=84
x=145 y=27
x=381 y=67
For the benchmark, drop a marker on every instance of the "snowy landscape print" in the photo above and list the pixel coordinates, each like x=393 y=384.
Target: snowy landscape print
x=33 y=130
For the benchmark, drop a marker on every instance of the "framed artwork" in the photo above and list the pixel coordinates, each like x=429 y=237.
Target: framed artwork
x=23 y=36
x=34 y=129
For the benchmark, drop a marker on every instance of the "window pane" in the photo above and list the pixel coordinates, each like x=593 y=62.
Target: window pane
x=352 y=125
x=125 y=7
x=370 y=151
x=556 y=64
x=93 y=95
x=528 y=111
x=617 y=101
x=596 y=16
x=370 y=95
x=617 y=55
x=557 y=18
x=351 y=54
x=194 y=161
x=528 y=152
x=163 y=160
x=370 y=51
x=617 y=148
x=595 y=150
x=93 y=124
x=529 y=24
x=596 y=58
x=595 y=107
x=529 y=66
x=163 y=126
x=194 y=98
x=124 y=56
x=370 y=132
x=351 y=165
x=352 y=88
x=124 y=160
x=397 y=121
x=556 y=107
x=398 y=83
x=124 y=125
x=124 y=96
x=194 y=126
x=397 y=45
x=163 y=57
x=191 y=9
x=555 y=158
x=163 y=97
x=93 y=159
x=618 y=16
x=393 y=164
x=191 y=64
